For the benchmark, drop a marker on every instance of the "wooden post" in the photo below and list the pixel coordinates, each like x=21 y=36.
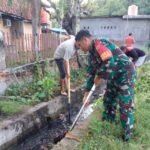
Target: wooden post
x=36 y=6
x=2 y=52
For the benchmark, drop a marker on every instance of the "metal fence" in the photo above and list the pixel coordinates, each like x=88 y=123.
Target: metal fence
x=19 y=48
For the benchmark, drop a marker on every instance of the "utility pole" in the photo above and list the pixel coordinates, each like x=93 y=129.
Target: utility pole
x=36 y=6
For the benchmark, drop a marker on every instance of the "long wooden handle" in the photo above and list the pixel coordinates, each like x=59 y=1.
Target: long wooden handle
x=68 y=82
x=78 y=115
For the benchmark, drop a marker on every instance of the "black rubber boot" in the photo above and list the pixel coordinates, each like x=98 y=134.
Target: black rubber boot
x=125 y=138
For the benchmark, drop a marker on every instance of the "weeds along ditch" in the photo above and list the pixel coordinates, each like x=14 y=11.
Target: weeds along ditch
x=106 y=136
x=43 y=85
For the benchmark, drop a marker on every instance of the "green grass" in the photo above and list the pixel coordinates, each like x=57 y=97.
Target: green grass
x=11 y=107
x=78 y=76
x=107 y=136
x=42 y=88
x=31 y=92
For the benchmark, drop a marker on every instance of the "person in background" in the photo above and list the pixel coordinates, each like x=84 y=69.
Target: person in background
x=63 y=53
x=107 y=61
x=129 y=42
x=135 y=53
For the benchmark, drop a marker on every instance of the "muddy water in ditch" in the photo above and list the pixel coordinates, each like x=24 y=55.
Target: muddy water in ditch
x=54 y=131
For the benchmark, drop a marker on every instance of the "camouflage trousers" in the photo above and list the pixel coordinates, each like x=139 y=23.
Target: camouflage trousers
x=122 y=95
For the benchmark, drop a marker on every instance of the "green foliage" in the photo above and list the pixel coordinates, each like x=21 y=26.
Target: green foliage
x=78 y=75
x=9 y=2
x=32 y=92
x=42 y=87
x=10 y=107
x=62 y=5
x=110 y=7
x=118 y=7
x=39 y=89
x=107 y=136
x=104 y=7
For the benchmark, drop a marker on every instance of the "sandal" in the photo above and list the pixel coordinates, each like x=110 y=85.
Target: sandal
x=63 y=93
x=72 y=90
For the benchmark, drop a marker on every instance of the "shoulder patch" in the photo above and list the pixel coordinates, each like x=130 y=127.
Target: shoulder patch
x=102 y=50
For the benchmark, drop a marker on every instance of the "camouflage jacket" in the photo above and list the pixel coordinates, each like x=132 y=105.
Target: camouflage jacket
x=109 y=68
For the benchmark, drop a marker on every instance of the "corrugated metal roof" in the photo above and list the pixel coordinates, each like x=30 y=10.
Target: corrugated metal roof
x=94 y=17
x=123 y=17
x=17 y=8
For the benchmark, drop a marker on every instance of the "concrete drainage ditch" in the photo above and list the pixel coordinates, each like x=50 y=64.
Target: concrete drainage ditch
x=15 y=131
x=40 y=127
x=52 y=132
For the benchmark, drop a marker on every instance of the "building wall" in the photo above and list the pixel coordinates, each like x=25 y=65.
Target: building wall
x=2 y=52
x=27 y=27
x=108 y=28
x=3 y=28
x=16 y=28
x=117 y=28
x=139 y=28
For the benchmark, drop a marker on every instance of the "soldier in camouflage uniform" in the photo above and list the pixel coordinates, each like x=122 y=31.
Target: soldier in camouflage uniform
x=108 y=62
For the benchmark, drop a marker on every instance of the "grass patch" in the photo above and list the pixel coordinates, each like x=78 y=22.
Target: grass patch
x=107 y=136
x=33 y=92
x=11 y=107
x=78 y=76
x=43 y=86
x=42 y=89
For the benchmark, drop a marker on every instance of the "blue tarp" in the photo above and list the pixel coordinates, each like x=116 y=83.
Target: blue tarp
x=58 y=30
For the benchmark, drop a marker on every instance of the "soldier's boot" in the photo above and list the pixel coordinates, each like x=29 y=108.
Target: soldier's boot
x=109 y=114
x=127 y=123
x=127 y=135
x=108 y=117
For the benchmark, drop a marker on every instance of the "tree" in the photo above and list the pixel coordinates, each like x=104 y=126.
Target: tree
x=36 y=6
x=57 y=11
x=73 y=11
x=70 y=18
x=68 y=12
x=119 y=7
